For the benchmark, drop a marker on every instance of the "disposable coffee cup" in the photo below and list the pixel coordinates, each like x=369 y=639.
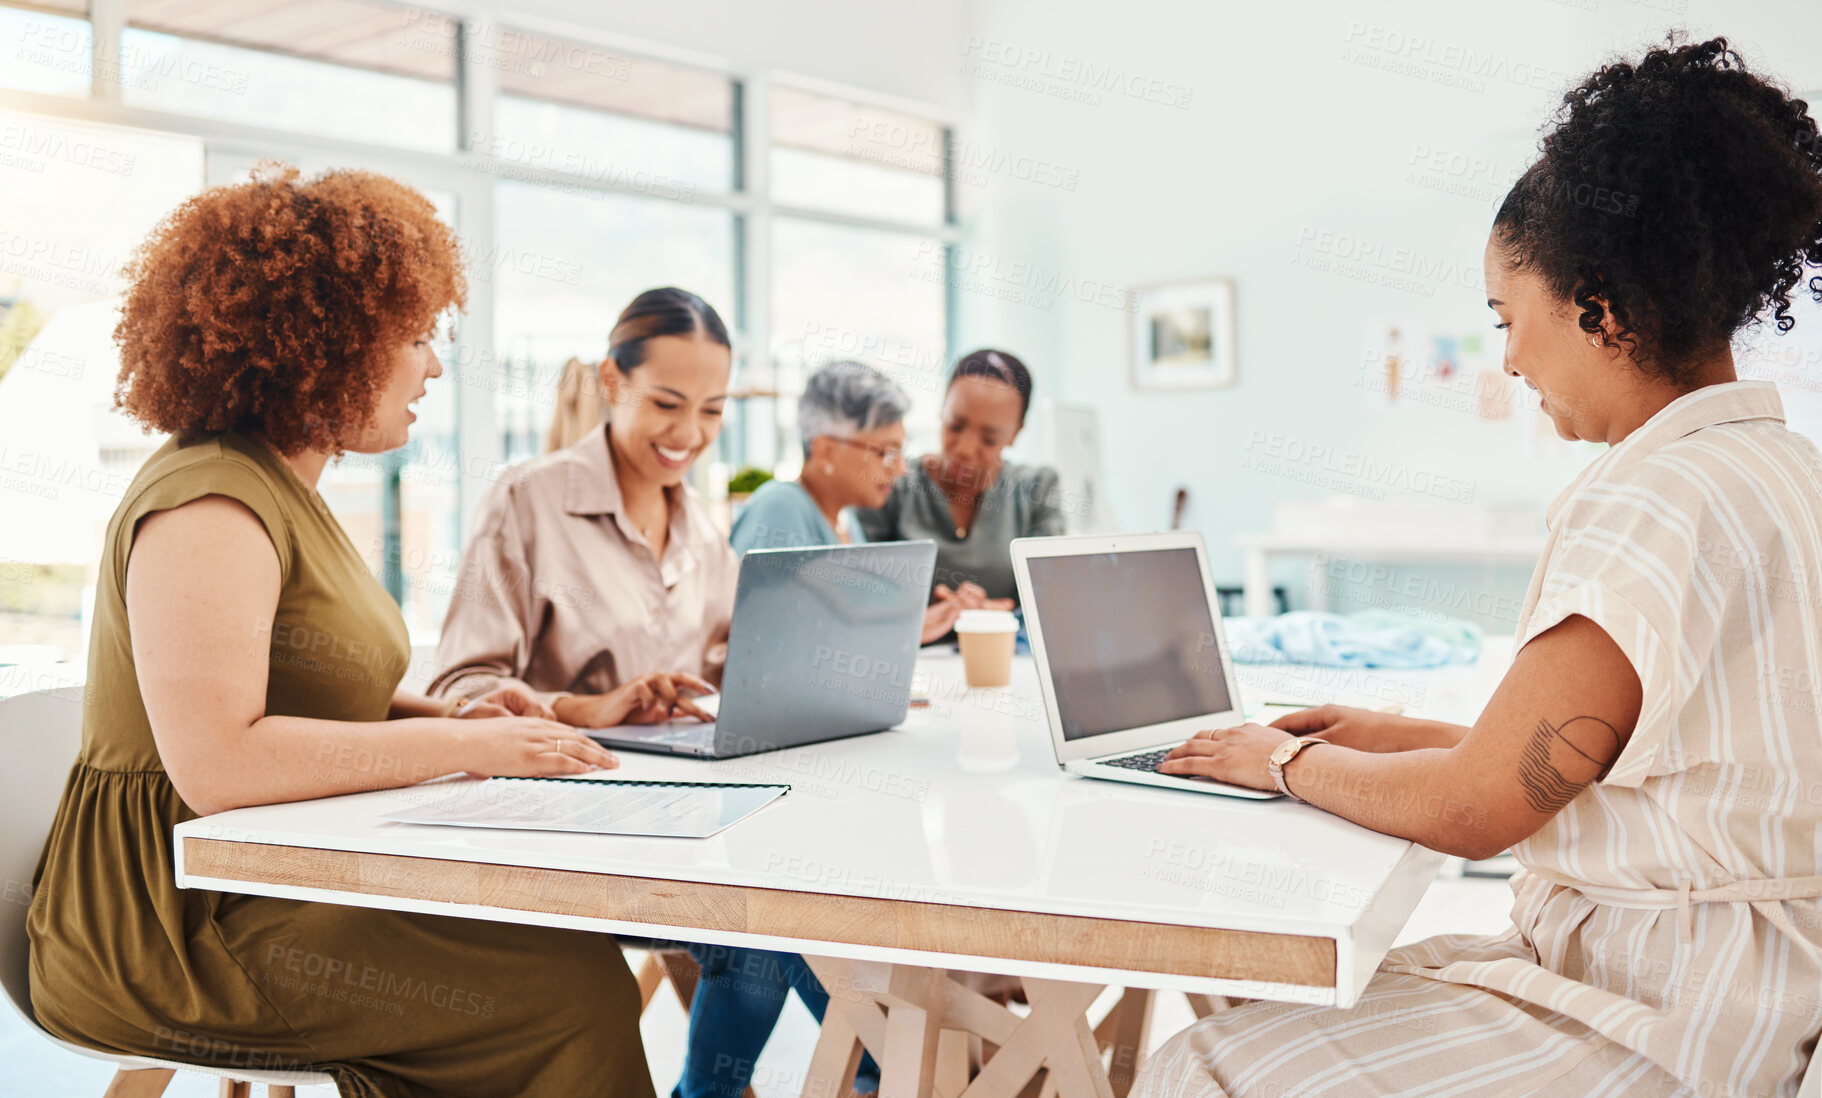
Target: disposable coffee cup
x=987 y=638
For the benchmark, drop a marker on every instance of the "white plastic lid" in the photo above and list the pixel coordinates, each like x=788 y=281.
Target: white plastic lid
x=986 y=621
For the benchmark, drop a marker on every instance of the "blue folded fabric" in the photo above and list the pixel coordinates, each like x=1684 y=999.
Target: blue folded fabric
x=1371 y=638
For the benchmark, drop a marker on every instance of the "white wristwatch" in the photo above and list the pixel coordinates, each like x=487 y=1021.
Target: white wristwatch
x=1281 y=757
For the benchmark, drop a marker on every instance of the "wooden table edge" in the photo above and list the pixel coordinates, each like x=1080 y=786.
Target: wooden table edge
x=879 y=922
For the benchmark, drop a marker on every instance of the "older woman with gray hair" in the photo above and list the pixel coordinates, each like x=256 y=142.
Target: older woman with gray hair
x=852 y=418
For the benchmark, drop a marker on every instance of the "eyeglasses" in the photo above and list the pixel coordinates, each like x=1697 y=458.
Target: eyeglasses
x=886 y=454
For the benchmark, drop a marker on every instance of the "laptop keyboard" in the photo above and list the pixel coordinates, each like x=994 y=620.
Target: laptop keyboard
x=1147 y=760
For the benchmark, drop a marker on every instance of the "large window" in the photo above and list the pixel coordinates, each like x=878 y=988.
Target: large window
x=563 y=265
x=577 y=173
x=600 y=159
x=310 y=66
x=607 y=117
x=847 y=157
x=844 y=293
x=48 y=50
x=847 y=291
x=77 y=199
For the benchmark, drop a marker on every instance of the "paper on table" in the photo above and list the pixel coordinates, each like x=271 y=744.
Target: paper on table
x=679 y=810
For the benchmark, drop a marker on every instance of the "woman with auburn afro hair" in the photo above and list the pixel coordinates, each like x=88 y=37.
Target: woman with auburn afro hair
x=1650 y=756
x=242 y=654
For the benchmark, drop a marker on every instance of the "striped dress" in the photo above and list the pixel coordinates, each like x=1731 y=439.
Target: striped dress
x=1666 y=935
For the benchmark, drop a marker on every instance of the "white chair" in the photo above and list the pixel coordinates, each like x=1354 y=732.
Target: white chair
x=40 y=734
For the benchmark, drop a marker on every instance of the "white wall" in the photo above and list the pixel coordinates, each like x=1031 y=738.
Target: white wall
x=1296 y=123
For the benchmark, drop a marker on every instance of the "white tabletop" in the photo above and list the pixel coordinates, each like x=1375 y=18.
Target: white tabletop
x=965 y=805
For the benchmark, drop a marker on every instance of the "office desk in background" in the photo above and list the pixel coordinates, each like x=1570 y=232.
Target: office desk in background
x=1352 y=530
x=1390 y=548
x=953 y=842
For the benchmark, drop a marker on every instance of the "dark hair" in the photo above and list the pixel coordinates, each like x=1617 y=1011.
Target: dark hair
x=1684 y=192
x=1001 y=367
x=662 y=312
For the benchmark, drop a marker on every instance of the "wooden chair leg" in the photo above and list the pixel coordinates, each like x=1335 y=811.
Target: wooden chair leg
x=835 y=1058
x=280 y=1092
x=683 y=971
x=1204 y=1005
x=234 y=1088
x=1127 y=1027
x=952 y=1067
x=651 y=974
x=1034 y=1086
x=139 y=1083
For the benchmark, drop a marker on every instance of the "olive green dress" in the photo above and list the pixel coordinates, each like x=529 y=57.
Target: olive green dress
x=388 y=1003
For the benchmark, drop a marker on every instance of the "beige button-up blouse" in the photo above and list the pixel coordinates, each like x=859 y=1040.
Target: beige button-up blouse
x=558 y=589
x=1666 y=934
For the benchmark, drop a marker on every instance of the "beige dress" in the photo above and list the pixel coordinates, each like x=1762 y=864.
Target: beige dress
x=558 y=589
x=1666 y=938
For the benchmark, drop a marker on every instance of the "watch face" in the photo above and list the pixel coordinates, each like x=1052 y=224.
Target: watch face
x=1286 y=751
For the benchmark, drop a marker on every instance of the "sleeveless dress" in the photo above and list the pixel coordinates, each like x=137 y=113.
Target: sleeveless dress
x=1666 y=935
x=388 y=1003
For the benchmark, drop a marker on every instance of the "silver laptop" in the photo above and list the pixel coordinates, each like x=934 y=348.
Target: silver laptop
x=822 y=645
x=1130 y=654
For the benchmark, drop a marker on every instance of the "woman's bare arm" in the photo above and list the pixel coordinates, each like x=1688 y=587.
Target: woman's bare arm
x=1559 y=719
x=1370 y=730
x=202 y=587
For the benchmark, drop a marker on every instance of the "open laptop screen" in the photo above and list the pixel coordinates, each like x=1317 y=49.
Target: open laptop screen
x=1129 y=638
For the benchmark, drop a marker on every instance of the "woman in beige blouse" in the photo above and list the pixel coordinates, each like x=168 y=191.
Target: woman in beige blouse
x=594 y=577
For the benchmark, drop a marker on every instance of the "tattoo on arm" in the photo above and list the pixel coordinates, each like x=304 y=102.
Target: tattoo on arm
x=1561 y=759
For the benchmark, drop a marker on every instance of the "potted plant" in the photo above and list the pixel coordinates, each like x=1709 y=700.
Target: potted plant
x=744 y=483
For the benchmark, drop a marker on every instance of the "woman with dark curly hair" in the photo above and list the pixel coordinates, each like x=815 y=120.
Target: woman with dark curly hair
x=1650 y=755
x=243 y=654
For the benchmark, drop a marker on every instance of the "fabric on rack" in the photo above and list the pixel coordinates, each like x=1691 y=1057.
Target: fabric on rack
x=1371 y=638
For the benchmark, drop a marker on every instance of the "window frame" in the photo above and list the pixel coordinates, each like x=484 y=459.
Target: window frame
x=748 y=196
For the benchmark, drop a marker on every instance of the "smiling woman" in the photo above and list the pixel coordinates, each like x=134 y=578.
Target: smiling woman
x=1644 y=754
x=595 y=579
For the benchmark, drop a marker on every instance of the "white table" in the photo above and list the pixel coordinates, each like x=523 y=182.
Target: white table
x=889 y=862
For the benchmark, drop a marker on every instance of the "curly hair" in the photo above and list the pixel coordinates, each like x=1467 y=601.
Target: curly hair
x=274 y=305
x=1677 y=198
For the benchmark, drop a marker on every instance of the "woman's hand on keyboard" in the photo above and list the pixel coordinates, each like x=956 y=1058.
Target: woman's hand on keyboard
x=648 y=699
x=1234 y=755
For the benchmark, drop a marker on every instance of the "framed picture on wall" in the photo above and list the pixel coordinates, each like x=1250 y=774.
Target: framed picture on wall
x=1182 y=336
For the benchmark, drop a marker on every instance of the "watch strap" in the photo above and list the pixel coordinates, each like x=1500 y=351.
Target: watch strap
x=1303 y=743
